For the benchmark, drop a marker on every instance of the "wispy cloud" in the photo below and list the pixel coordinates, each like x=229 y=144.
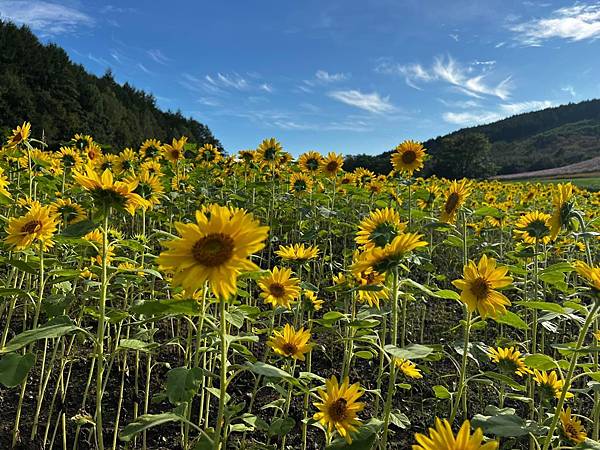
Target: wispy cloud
x=326 y=77
x=144 y=69
x=569 y=90
x=504 y=110
x=372 y=102
x=44 y=17
x=574 y=23
x=158 y=56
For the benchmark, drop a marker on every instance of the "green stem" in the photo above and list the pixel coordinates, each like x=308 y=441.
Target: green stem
x=222 y=376
x=462 y=385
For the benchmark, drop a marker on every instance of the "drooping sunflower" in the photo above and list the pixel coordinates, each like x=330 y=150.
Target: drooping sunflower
x=338 y=408
x=332 y=164
x=533 y=227
x=291 y=343
x=39 y=161
x=363 y=176
x=455 y=198
x=297 y=252
x=96 y=238
x=379 y=228
x=19 y=134
x=69 y=158
x=432 y=192
x=311 y=297
x=478 y=287
x=4 y=184
x=408 y=368
x=310 y=161
x=174 y=151
x=125 y=162
x=268 y=152
x=279 y=288
x=37 y=225
x=408 y=157
x=563 y=206
x=383 y=259
x=209 y=154
x=215 y=249
x=149 y=187
x=371 y=279
x=509 y=361
x=442 y=438
x=591 y=274
x=549 y=384
x=108 y=193
x=150 y=149
x=571 y=427
x=300 y=183
x=68 y=210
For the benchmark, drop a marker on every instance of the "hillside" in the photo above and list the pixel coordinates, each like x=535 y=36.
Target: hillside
x=538 y=140
x=40 y=84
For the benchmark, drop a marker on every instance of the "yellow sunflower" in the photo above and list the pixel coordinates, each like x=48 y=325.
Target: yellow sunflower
x=37 y=225
x=379 y=228
x=315 y=303
x=95 y=237
x=509 y=361
x=215 y=249
x=279 y=288
x=310 y=161
x=457 y=194
x=108 y=193
x=149 y=187
x=408 y=368
x=371 y=278
x=533 y=227
x=382 y=259
x=69 y=158
x=20 y=134
x=68 y=210
x=174 y=151
x=104 y=162
x=442 y=438
x=297 y=252
x=363 y=176
x=300 y=183
x=432 y=193
x=150 y=149
x=562 y=208
x=4 y=184
x=332 y=164
x=93 y=151
x=478 y=287
x=269 y=151
x=572 y=428
x=408 y=157
x=151 y=166
x=591 y=274
x=338 y=408
x=549 y=384
x=291 y=343
x=82 y=141
x=209 y=154
x=125 y=162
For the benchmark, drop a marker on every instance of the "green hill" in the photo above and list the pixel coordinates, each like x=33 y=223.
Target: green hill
x=40 y=84
x=538 y=140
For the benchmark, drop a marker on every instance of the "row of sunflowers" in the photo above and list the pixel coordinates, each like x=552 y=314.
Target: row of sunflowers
x=172 y=295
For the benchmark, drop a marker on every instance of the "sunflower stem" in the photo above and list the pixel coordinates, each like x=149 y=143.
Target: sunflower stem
x=222 y=375
x=462 y=385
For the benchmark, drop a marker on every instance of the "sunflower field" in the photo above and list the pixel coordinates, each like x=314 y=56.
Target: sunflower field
x=173 y=297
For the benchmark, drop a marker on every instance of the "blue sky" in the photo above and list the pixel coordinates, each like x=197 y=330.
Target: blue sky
x=351 y=76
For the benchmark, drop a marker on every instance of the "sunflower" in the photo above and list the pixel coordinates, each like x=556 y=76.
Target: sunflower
x=93 y=151
x=247 y=156
x=20 y=134
x=291 y=343
x=68 y=210
x=38 y=224
x=82 y=141
x=310 y=161
x=562 y=208
x=571 y=427
x=279 y=288
x=4 y=184
x=591 y=274
x=371 y=279
x=69 y=157
x=108 y=193
x=338 y=407
x=150 y=149
x=104 y=162
x=442 y=438
x=315 y=303
x=408 y=157
x=125 y=162
x=534 y=227
x=382 y=259
x=149 y=187
x=379 y=228
x=457 y=194
x=297 y=252
x=215 y=249
x=174 y=151
x=96 y=237
x=300 y=183
x=549 y=384
x=151 y=166
x=332 y=164
x=39 y=161
x=408 y=368
x=363 y=176
x=269 y=151
x=509 y=361
x=478 y=287
x=209 y=154
x=432 y=192
x=181 y=183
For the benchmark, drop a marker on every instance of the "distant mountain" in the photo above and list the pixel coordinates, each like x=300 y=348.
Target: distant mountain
x=40 y=84
x=538 y=140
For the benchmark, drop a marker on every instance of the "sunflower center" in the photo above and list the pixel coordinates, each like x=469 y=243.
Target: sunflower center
x=175 y=154
x=338 y=410
x=537 y=228
x=151 y=152
x=383 y=234
x=452 y=202
x=289 y=348
x=17 y=138
x=277 y=290
x=31 y=227
x=480 y=288
x=300 y=185
x=409 y=157
x=68 y=161
x=213 y=250
x=270 y=153
x=332 y=166
x=312 y=164
x=570 y=429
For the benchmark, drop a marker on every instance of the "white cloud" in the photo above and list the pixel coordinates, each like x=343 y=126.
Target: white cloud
x=158 y=56
x=521 y=107
x=232 y=80
x=504 y=110
x=569 y=90
x=44 y=17
x=266 y=87
x=327 y=77
x=574 y=23
x=372 y=102
x=145 y=69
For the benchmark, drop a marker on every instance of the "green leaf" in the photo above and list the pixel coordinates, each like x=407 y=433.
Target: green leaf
x=447 y=294
x=188 y=307
x=137 y=345
x=144 y=422
x=182 y=384
x=503 y=423
x=363 y=439
x=281 y=426
x=505 y=379
x=441 y=392
x=14 y=368
x=511 y=319
x=267 y=370
x=399 y=419
x=412 y=351
x=540 y=361
x=53 y=329
x=544 y=306
x=79 y=229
